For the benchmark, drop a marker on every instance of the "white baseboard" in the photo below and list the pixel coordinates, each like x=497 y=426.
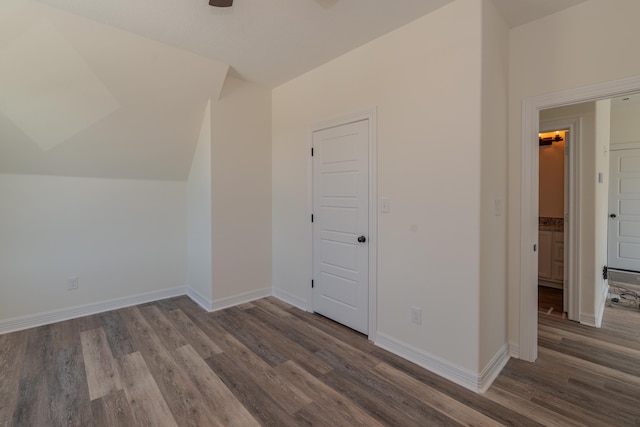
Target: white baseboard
x=31 y=321
x=203 y=302
x=588 y=320
x=289 y=298
x=445 y=369
x=600 y=309
x=514 y=350
x=227 y=302
x=493 y=368
x=595 y=320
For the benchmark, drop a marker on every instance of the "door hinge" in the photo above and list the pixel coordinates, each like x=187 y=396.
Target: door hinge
x=535 y=247
x=311 y=151
x=311 y=217
x=605 y=272
x=311 y=283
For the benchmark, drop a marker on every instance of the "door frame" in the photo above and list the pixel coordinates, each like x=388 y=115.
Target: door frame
x=528 y=326
x=572 y=179
x=371 y=115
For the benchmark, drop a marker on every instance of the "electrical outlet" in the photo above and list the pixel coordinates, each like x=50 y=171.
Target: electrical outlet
x=416 y=315
x=72 y=283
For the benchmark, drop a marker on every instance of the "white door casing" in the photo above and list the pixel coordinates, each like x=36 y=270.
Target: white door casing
x=341 y=224
x=528 y=313
x=624 y=210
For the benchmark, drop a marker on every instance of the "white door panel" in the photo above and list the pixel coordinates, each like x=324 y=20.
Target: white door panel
x=340 y=208
x=624 y=210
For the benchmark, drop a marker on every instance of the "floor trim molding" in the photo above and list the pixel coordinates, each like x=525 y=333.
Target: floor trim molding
x=514 y=350
x=233 y=300
x=290 y=298
x=493 y=368
x=54 y=316
x=445 y=369
x=197 y=297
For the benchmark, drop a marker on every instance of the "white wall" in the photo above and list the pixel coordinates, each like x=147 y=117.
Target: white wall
x=493 y=257
x=425 y=79
x=241 y=191
x=199 y=214
x=590 y=43
x=120 y=237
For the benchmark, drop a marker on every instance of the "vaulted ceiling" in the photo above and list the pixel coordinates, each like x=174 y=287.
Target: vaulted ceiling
x=118 y=88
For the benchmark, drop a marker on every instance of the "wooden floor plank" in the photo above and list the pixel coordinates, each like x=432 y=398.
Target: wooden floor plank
x=232 y=323
x=268 y=363
x=372 y=393
x=12 y=352
x=434 y=398
x=193 y=334
x=264 y=408
x=101 y=368
x=587 y=366
x=337 y=408
x=65 y=334
x=120 y=340
x=179 y=392
x=220 y=400
x=290 y=398
x=144 y=397
x=68 y=392
x=269 y=307
x=32 y=400
x=535 y=412
x=274 y=331
x=112 y=410
x=164 y=328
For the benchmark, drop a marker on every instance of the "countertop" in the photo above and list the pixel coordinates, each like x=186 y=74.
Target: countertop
x=550 y=224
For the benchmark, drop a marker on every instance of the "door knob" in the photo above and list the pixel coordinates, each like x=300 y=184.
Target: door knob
x=613 y=215
x=362 y=239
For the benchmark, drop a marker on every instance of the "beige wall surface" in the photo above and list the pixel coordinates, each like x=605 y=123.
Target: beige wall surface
x=241 y=189
x=425 y=79
x=199 y=214
x=625 y=121
x=493 y=218
x=551 y=179
x=586 y=44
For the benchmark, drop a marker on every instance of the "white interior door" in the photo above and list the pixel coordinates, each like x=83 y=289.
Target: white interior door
x=341 y=224
x=624 y=210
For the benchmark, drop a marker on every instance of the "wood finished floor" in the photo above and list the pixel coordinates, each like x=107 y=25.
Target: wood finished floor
x=170 y=363
x=550 y=301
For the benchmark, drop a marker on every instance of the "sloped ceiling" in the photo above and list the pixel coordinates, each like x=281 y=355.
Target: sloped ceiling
x=81 y=98
x=519 y=12
x=118 y=88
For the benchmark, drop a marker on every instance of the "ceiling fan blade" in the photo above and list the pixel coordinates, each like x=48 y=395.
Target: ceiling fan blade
x=221 y=3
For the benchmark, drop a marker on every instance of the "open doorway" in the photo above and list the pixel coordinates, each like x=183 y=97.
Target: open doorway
x=591 y=302
x=553 y=184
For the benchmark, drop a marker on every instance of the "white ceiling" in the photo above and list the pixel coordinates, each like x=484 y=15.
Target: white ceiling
x=273 y=41
x=118 y=88
x=264 y=41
